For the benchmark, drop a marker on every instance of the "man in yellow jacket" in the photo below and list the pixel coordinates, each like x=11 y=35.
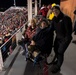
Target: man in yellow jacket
x=50 y=14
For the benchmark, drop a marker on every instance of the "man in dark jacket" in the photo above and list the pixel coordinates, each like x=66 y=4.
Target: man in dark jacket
x=62 y=25
x=43 y=38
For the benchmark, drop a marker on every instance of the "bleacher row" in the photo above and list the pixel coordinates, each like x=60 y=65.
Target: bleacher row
x=10 y=21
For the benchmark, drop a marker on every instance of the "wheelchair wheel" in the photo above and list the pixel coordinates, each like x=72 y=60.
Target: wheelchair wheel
x=51 y=58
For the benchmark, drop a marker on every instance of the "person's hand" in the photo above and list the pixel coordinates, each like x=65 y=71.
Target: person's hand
x=32 y=43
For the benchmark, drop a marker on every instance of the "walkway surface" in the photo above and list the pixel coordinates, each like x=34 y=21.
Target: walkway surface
x=19 y=66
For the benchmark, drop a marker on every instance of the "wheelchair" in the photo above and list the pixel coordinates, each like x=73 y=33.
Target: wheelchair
x=37 y=56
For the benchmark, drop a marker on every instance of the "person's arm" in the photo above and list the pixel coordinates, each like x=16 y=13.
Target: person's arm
x=68 y=27
x=32 y=42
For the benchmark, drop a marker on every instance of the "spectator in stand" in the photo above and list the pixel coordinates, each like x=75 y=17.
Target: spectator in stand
x=11 y=19
x=30 y=31
x=28 y=34
x=43 y=39
x=43 y=11
x=50 y=14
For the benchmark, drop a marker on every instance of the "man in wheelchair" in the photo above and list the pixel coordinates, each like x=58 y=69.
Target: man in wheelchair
x=41 y=43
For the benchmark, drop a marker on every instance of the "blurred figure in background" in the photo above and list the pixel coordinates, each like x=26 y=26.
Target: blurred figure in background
x=27 y=36
x=43 y=11
x=50 y=14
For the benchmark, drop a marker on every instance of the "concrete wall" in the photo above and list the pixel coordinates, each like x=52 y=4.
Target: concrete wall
x=68 y=7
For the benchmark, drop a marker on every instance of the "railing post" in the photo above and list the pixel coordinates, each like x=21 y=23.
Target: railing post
x=35 y=7
x=1 y=61
x=19 y=33
x=39 y=3
x=18 y=36
x=29 y=3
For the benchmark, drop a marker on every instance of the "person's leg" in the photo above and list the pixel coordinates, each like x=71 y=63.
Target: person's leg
x=24 y=49
x=55 y=67
x=26 y=52
x=60 y=55
x=62 y=48
x=56 y=45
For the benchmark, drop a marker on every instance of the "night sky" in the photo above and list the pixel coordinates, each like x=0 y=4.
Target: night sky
x=9 y=3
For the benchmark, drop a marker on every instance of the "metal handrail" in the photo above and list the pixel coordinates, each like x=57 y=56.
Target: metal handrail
x=1 y=58
x=12 y=35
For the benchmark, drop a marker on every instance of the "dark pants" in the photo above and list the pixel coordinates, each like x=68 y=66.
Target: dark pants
x=60 y=47
x=25 y=47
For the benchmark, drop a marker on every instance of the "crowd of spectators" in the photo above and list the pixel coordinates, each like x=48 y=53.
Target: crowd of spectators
x=10 y=21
